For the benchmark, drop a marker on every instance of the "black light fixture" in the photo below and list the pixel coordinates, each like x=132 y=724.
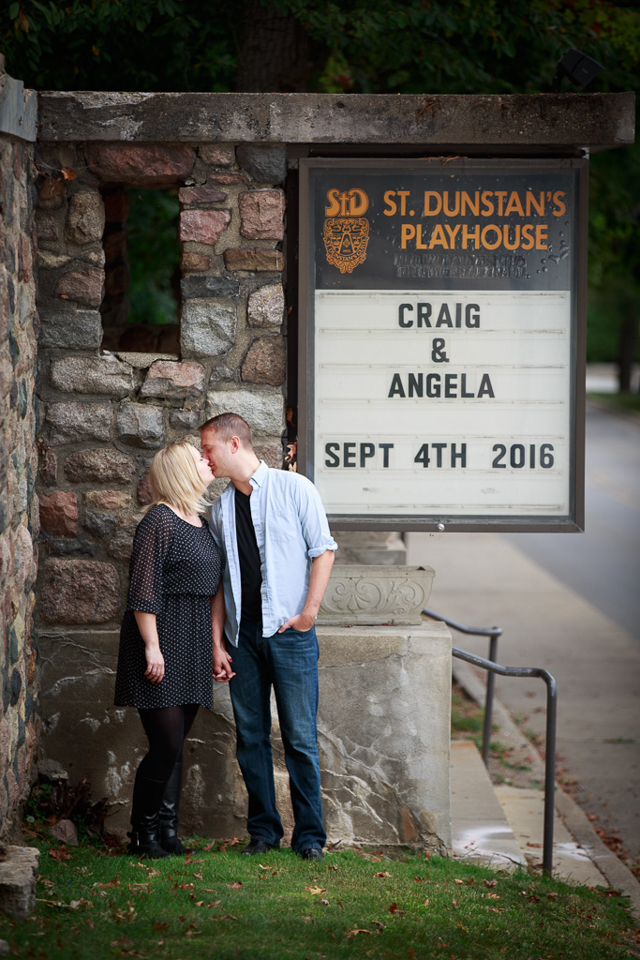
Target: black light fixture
x=578 y=67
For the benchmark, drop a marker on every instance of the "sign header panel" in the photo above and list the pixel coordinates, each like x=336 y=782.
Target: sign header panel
x=440 y=342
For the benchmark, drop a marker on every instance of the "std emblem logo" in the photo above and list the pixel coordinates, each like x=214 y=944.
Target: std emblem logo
x=346 y=229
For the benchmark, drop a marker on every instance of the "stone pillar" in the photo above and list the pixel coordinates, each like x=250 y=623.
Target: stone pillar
x=106 y=410
x=19 y=525
x=384 y=735
x=385 y=701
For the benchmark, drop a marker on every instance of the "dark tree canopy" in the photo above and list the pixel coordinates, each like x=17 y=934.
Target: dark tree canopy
x=361 y=46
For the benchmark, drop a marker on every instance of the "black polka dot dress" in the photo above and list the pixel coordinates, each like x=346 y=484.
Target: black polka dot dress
x=174 y=571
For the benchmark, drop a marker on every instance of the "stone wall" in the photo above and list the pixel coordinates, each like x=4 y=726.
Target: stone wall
x=19 y=725
x=104 y=413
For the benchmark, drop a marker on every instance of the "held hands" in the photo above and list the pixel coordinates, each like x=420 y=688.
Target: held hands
x=155 y=663
x=222 y=669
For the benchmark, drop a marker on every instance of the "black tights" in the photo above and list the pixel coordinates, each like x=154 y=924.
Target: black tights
x=166 y=729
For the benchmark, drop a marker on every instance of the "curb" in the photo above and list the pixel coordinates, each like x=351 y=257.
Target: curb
x=612 y=868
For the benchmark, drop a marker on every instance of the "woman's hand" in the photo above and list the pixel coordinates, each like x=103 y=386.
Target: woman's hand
x=222 y=669
x=155 y=663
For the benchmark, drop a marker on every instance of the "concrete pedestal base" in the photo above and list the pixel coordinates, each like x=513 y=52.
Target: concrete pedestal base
x=384 y=734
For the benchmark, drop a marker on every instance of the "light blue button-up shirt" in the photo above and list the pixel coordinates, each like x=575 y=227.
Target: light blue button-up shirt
x=291 y=531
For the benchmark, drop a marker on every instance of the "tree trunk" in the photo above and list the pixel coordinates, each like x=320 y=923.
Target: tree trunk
x=628 y=337
x=273 y=55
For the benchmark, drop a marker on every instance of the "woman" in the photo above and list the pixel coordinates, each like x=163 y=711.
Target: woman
x=175 y=611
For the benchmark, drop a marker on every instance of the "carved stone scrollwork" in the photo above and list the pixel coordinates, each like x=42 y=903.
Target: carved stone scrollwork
x=371 y=595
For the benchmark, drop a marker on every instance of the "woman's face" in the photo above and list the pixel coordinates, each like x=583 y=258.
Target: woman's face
x=202 y=465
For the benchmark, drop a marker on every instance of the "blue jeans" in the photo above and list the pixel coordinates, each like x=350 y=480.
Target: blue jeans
x=289 y=662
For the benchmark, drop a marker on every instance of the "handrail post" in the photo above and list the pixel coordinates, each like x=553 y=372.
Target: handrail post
x=488 y=702
x=549 y=771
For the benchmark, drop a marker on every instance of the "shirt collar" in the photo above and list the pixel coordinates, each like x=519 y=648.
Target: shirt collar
x=259 y=476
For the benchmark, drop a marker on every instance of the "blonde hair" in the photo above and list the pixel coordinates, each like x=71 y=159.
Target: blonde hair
x=175 y=480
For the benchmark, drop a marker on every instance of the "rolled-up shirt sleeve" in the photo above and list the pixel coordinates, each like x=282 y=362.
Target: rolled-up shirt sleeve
x=313 y=520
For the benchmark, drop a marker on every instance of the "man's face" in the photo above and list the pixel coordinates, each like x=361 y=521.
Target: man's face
x=217 y=452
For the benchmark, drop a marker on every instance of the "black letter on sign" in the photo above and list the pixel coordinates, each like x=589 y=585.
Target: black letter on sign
x=437 y=351
x=328 y=449
x=401 y=320
x=396 y=386
x=485 y=386
x=385 y=447
x=366 y=450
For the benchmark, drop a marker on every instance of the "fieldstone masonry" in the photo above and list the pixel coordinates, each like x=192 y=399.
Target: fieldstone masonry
x=19 y=519
x=106 y=411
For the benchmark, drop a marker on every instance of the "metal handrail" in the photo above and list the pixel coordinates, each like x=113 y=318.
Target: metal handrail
x=552 y=716
x=493 y=633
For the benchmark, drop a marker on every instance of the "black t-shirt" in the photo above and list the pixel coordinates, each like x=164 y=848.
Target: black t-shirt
x=249 y=556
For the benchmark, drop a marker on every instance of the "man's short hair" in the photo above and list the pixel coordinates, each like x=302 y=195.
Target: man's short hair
x=228 y=425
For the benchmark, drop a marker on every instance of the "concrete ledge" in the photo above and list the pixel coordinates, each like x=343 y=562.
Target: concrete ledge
x=18 y=881
x=515 y=123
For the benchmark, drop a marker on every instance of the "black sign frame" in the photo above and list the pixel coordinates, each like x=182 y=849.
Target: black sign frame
x=311 y=237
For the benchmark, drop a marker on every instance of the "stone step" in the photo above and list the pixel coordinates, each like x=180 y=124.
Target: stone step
x=504 y=825
x=479 y=828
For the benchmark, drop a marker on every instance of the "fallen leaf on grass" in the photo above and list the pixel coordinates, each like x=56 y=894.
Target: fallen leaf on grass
x=458 y=881
x=354 y=933
x=379 y=924
x=325 y=902
x=315 y=891
x=235 y=886
x=426 y=903
x=113 y=883
x=158 y=926
x=493 y=896
x=394 y=908
x=59 y=853
x=491 y=883
x=382 y=875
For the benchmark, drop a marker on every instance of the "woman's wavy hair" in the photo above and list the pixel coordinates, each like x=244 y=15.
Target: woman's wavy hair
x=175 y=479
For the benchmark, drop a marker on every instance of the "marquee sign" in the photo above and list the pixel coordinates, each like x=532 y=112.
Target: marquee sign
x=442 y=341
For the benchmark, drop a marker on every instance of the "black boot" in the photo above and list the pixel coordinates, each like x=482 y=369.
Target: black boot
x=168 y=814
x=147 y=797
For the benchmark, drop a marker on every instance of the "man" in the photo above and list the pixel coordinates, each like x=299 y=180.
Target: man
x=273 y=532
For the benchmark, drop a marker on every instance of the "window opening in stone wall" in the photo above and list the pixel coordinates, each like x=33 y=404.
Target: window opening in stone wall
x=141 y=304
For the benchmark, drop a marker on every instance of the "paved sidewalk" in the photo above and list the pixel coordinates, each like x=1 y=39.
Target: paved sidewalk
x=482 y=579
x=504 y=825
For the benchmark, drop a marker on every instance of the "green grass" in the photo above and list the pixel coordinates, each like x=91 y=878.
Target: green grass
x=466 y=716
x=218 y=904
x=624 y=401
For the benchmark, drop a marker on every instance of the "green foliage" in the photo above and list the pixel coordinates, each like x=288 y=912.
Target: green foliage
x=221 y=904
x=153 y=256
x=366 y=46
x=148 y=45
